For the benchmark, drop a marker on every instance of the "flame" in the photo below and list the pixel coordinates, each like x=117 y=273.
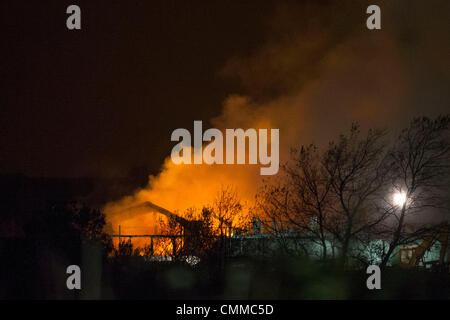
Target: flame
x=180 y=187
x=356 y=89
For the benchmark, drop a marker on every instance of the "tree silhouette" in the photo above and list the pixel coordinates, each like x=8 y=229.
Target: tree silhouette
x=420 y=169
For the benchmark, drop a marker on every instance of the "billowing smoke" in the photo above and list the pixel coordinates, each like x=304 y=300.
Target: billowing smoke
x=320 y=70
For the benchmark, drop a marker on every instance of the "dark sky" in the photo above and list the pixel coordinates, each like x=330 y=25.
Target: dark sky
x=105 y=99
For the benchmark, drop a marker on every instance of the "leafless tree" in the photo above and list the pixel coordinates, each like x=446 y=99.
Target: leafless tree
x=312 y=185
x=208 y=231
x=300 y=203
x=227 y=210
x=275 y=203
x=357 y=170
x=420 y=164
x=331 y=196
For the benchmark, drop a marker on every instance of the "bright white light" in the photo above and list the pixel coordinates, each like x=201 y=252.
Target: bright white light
x=399 y=198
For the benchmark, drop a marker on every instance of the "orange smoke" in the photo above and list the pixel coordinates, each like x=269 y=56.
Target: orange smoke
x=345 y=86
x=178 y=188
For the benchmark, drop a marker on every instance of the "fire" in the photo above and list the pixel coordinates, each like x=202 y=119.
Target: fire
x=139 y=220
x=177 y=188
x=302 y=114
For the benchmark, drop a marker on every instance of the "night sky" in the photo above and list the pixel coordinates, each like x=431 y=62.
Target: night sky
x=104 y=100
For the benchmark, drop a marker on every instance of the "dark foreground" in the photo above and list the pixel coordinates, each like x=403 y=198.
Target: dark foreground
x=29 y=272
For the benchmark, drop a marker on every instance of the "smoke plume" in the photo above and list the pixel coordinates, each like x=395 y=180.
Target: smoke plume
x=319 y=70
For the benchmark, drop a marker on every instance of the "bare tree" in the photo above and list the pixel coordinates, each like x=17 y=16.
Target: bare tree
x=299 y=205
x=172 y=244
x=275 y=203
x=420 y=163
x=227 y=210
x=203 y=233
x=330 y=197
x=356 y=168
x=312 y=185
